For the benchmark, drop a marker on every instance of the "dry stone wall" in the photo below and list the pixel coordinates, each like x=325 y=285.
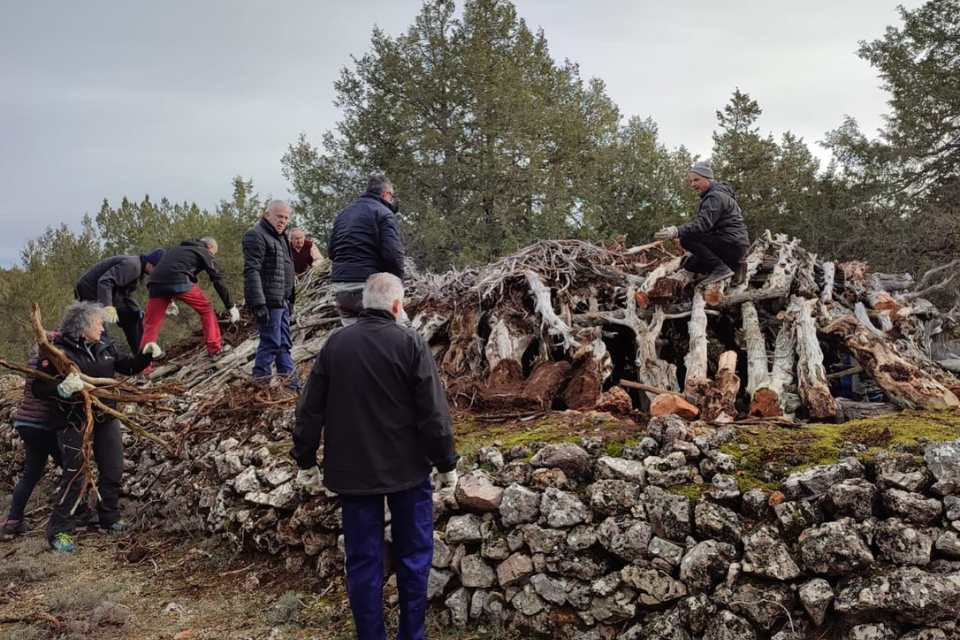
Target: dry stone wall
x=565 y=540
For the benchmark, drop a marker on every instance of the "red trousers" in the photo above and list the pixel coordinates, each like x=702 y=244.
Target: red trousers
x=197 y=300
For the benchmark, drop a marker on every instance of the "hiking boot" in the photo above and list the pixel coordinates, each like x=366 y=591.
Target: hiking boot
x=720 y=273
x=63 y=543
x=13 y=528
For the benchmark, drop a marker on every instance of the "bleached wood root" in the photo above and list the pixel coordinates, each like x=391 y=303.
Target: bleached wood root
x=811 y=375
x=543 y=305
x=758 y=371
x=696 y=358
x=829 y=278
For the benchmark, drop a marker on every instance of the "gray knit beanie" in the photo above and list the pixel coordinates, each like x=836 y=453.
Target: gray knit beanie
x=703 y=169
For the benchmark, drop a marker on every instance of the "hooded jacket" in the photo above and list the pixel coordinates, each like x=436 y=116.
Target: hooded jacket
x=375 y=399
x=719 y=215
x=179 y=268
x=365 y=240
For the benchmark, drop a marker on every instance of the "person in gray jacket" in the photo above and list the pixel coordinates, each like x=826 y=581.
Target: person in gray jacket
x=717 y=238
x=268 y=281
x=112 y=282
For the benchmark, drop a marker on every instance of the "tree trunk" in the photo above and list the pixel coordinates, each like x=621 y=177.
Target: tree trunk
x=811 y=375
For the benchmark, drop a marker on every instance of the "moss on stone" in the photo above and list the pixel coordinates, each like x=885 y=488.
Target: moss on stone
x=764 y=452
x=690 y=490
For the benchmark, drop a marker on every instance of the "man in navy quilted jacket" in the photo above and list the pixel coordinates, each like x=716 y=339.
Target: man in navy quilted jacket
x=364 y=240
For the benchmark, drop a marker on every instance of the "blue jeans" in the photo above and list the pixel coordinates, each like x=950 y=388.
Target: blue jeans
x=274 y=347
x=411 y=524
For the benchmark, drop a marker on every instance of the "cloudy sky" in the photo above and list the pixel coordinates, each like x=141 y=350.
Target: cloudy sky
x=102 y=99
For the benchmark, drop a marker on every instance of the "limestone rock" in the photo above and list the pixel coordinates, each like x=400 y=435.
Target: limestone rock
x=542 y=540
x=621 y=469
x=901 y=471
x=913 y=507
x=715 y=521
x=834 y=548
x=766 y=555
x=562 y=509
x=755 y=504
x=475 y=573
x=611 y=497
x=763 y=604
x=476 y=491
x=729 y=626
x=669 y=514
x=795 y=516
x=514 y=569
x=247 y=481
x=282 y=497
x=664 y=625
x=816 y=596
x=625 y=537
x=817 y=480
x=900 y=543
x=550 y=589
x=706 y=563
x=908 y=593
x=666 y=429
x=463 y=528
x=654 y=587
x=928 y=633
x=571 y=458
x=854 y=498
x=696 y=611
x=870 y=631
x=437 y=583
x=581 y=537
x=948 y=545
x=519 y=505
x=459 y=605
x=528 y=602
x=724 y=489
x=667 y=551
x=943 y=461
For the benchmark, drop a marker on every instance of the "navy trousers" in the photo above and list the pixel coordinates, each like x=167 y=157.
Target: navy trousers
x=274 y=346
x=39 y=444
x=412 y=528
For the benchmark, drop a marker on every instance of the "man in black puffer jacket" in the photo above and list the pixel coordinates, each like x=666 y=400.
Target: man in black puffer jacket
x=717 y=238
x=364 y=241
x=268 y=281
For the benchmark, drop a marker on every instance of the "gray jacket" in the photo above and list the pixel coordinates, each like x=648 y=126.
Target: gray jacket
x=111 y=282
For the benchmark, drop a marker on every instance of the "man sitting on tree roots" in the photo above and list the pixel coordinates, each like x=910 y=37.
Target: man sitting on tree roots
x=717 y=238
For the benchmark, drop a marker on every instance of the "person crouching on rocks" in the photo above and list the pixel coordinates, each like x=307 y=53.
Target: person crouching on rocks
x=84 y=342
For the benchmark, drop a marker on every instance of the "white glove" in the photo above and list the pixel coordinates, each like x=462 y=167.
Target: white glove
x=234 y=315
x=70 y=385
x=173 y=309
x=110 y=314
x=448 y=480
x=310 y=480
x=153 y=350
x=667 y=233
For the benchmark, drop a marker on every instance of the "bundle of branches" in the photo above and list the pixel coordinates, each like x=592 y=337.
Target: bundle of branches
x=94 y=396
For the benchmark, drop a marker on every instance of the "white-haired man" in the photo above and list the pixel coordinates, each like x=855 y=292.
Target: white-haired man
x=376 y=400
x=304 y=251
x=268 y=282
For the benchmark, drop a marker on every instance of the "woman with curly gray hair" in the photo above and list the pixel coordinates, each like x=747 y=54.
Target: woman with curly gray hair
x=83 y=341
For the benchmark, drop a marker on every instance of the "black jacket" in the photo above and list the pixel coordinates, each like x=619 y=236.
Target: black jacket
x=111 y=282
x=181 y=265
x=719 y=215
x=268 y=274
x=99 y=360
x=376 y=399
x=364 y=241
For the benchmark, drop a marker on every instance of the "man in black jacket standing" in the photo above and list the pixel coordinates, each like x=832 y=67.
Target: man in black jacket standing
x=375 y=398
x=364 y=241
x=717 y=238
x=268 y=281
x=111 y=282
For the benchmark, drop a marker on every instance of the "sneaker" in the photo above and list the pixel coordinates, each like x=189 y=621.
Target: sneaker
x=117 y=527
x=13 y=528
x=63 y=543
x=720 y=273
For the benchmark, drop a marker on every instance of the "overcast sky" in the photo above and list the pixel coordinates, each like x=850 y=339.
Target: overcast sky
x=102 y=99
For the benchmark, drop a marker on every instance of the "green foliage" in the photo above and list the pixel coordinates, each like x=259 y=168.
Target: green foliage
x=52 y=264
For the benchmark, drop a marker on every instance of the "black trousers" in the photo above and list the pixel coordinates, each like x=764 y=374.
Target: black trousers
x=709 y=252
x=108 y=454
x=130 y=321
x=39 y=444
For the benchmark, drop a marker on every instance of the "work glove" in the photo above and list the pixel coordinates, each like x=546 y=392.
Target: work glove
x=70 y=385
x=309 y=480
x=262 y=313
x=667 y=233
x=153 y=350
x=110 y=314
x=173 y=309
x=234 y=315
x=447 y=480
